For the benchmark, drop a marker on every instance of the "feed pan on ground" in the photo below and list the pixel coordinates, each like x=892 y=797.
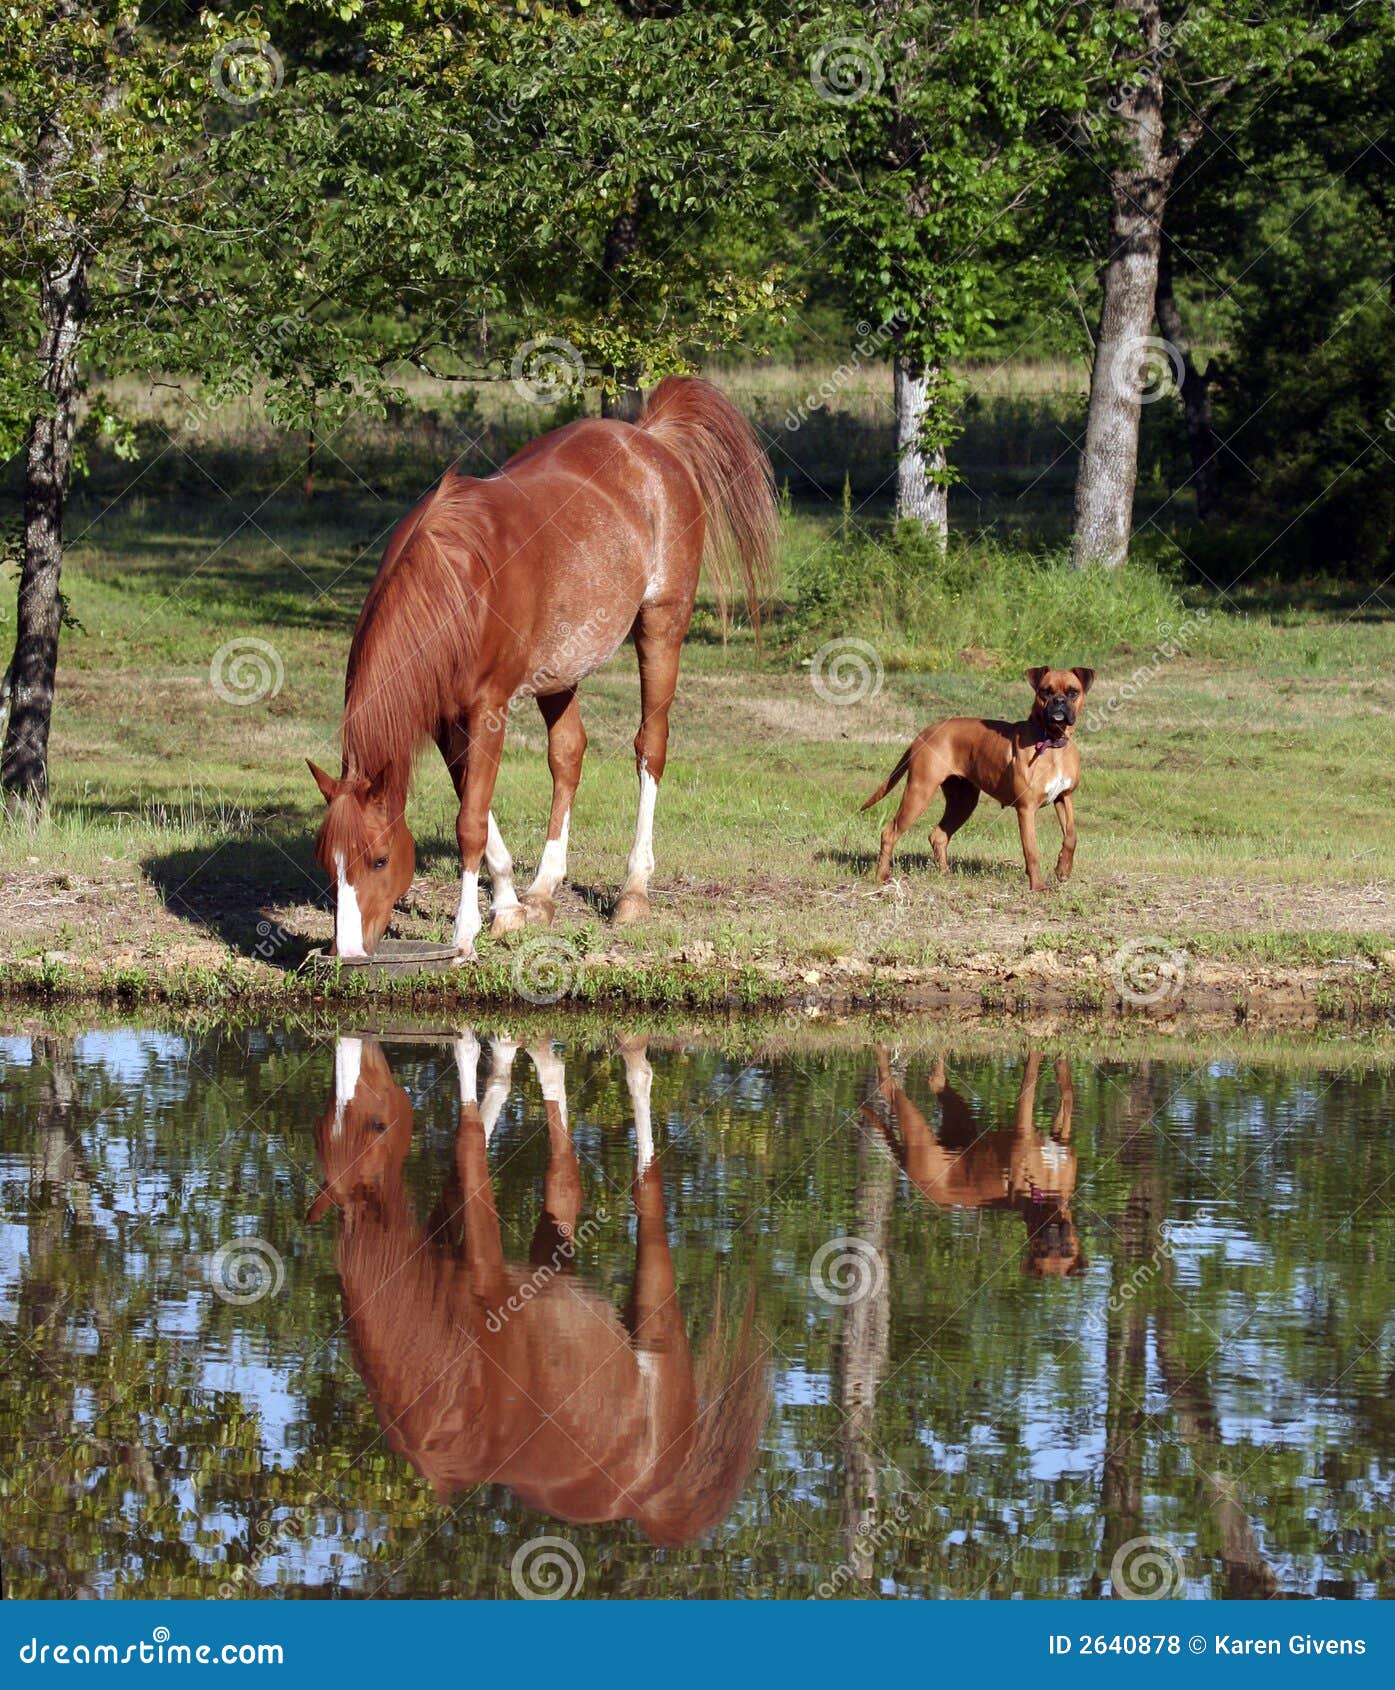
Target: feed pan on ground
x=393 y=958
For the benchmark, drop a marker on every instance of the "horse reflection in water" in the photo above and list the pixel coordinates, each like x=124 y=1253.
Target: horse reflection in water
x=962 y=1167
x=486 y=1371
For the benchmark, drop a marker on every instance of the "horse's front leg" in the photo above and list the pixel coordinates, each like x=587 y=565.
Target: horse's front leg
x=658 y=640
x=505 y=907
x=566 y=746
x=475 y=829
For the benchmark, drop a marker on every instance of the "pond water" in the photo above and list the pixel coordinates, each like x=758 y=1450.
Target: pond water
x=442 y=1315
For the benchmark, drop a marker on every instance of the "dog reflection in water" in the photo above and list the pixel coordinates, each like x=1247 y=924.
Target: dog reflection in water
x=484 y=1370
x=961 y=1167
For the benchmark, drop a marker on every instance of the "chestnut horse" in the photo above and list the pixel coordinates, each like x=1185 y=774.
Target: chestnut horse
x=966 y=1168
x=485 y=1371
x=520 y=585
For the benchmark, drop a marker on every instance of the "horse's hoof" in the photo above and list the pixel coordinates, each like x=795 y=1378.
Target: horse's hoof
x=632 y=907
x=538 y=909
x=462 y=958
x=508 y=920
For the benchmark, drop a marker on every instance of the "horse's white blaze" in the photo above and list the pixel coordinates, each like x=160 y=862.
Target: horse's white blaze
x=552 y=1077
x=348 y=918
x=348 y=1063
x=467 y=917
x=500 y=865
x=552 y=866
x=639 y=1078
x=641 y=863
x=1057 y=787
x=467 y=1063
x=496 y=1088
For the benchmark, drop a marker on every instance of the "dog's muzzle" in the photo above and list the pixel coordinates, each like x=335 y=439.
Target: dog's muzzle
x=1061 y=715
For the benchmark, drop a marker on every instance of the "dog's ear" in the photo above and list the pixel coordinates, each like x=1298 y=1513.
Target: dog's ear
x=1086 y=677
x=1033 y=677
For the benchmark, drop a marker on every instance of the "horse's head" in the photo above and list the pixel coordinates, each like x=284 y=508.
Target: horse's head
x=367 y=851
x=364 y=1135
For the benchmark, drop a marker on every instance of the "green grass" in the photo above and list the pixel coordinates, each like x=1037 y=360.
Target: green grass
x=1236 y=778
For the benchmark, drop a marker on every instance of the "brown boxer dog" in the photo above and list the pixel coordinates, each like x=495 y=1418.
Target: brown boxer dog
x=1025 y=764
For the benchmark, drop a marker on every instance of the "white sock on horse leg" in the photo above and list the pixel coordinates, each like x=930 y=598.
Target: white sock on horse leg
x=641 y=863
x=467 y=1062
x=552 y=866
x=500 y=866
x=467 y=917
x=639 y=1078
x=552 y=1077
x=496 y=1089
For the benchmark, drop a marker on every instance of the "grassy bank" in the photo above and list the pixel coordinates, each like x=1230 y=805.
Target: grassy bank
x=1234 y=807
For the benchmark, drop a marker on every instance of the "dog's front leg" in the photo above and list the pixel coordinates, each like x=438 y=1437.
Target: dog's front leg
x=1065 y=814
x=1027 y=826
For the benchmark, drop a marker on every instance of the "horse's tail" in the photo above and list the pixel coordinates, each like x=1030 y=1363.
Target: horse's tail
x=734 y=477
x=897 y=774
x=733 y=1393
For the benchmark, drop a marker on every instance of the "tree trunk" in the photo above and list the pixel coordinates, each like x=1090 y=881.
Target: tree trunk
x=621 y=242
x=1108 y=469
x=919 y=498
x=47 y=468
x=859 y=1364
x=1202 y=443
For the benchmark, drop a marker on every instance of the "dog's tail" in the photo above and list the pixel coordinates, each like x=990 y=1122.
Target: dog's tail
x=897 y=774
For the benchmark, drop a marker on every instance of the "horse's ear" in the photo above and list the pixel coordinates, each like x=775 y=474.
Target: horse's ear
x=1033 y=677
x=327 y=784
x=376 y=787
x=320 y=1207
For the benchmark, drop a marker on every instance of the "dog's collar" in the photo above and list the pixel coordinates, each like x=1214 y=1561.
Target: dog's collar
x=1051 y=745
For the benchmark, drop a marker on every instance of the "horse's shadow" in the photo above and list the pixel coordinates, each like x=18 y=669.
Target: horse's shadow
x=863 y=863
x=232 y=890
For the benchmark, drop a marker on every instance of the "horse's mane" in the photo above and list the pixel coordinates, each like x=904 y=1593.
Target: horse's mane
x=418 y=629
